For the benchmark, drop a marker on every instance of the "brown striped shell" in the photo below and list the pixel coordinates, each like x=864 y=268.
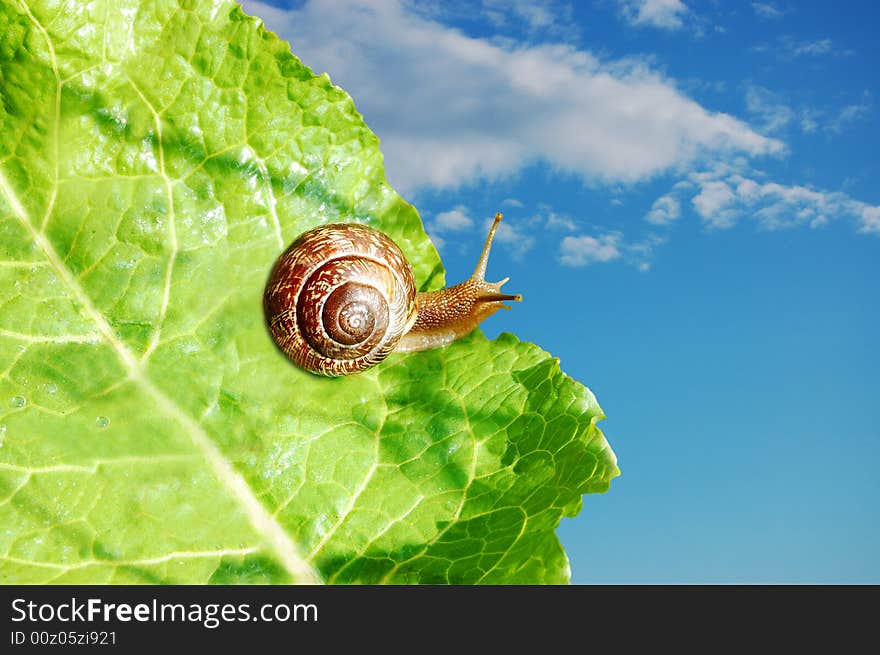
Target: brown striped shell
x=339 y=299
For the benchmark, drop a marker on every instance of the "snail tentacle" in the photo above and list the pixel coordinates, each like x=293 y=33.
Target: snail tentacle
x=449 y=314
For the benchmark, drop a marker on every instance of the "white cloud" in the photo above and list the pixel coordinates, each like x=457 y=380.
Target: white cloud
x=514 y=237
x=512 y=202
x=820 y=47
x=768 y=10
x=556 y=221
x=774 y=115
x=453 y=110
x=850 y=114
x=453 y=220
x=665 y=210
x=585 y=250
x=641 y=253
x=713 y=204
x=870 y=219
x=549 y=17
x=809 y=124
x=724 y=196
x=787 y=48
x=766 y=107
x=665 y=14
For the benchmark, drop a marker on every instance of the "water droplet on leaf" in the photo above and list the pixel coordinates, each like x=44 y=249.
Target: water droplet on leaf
x=19 y=401
x=102 y=421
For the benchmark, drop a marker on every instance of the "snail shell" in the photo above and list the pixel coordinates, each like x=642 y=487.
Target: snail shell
x=339 y=298
x=343 y=296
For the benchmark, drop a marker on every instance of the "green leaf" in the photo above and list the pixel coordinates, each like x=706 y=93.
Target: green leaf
x=155 y=159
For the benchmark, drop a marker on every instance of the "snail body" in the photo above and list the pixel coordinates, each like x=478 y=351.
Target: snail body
x=343 y=296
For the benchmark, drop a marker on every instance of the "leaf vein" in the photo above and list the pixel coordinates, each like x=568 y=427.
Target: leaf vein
x=172 y=228
x=223 y=552
x=258 y=516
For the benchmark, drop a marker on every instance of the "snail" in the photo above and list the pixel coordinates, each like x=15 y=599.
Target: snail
x=343 y=296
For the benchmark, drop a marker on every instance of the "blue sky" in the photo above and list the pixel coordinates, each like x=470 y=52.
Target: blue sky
x=692 y=214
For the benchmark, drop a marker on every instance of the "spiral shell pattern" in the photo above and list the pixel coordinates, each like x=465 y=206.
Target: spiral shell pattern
x=339 y=299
